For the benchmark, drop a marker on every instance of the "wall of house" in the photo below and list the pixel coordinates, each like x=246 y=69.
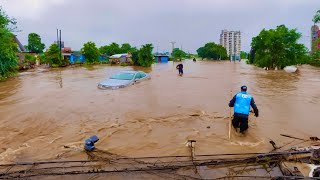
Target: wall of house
x=164 y=59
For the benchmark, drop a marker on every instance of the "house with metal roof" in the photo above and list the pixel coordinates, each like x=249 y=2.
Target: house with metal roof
x=119 y=58
x=161 y=58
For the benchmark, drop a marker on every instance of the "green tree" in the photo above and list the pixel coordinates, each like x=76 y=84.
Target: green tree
x=8 y=48
x=52 y=56
x=110 y=49
x=6 y=22
x=34 y=43
x=201 y=52
x=145 y=57
x=125 y=48
x=135 y=55
x=243 y=55
x=30 y=59
x=212 y=51
x=278 y=48
x=91 y=52
x=178 y=54
x=316 y=17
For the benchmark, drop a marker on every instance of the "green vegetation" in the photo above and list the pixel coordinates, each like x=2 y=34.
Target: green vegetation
x=145 y=57
x=212 y=51
x=111 y=49
x=123 y=64
x=42 y=58
x=34 y=43
x=28 y=58
x=114 y=48
x=178 y=54
x=278 y=48
x=244 y=55
x=315 y=53
x=125 y=48
x=135 y=56
x=8 y=48
x=316 y=17
x=28 y=62
x=91 y=53
x=53 y=58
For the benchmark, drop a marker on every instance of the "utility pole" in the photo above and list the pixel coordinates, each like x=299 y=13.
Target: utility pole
x=59 y=42
x=173 y=42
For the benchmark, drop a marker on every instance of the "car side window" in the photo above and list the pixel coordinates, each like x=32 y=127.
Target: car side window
x=138 y=76
x=142 y=75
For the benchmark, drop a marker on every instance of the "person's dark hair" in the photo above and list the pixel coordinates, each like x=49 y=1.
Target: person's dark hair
x=243 y=88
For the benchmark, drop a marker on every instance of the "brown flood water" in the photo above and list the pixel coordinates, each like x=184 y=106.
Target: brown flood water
x=40 y=112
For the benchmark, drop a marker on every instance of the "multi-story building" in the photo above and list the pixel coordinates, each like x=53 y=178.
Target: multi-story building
x=315 y=38
x=231 y=40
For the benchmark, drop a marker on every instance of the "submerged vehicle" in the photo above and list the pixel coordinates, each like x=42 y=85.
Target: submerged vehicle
x=123 y=79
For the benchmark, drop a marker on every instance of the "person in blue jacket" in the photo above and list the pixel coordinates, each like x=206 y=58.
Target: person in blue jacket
x=241 y=103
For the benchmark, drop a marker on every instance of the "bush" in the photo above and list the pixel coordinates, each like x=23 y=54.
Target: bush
x=91 y=52
x=52 y=56
x=123 y=64
x=145 y=55
x=28 y=58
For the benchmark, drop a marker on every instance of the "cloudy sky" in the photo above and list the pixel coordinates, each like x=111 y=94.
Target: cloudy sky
x=191 y=23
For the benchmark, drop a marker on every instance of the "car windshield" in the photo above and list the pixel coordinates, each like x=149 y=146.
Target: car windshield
x=123 y=76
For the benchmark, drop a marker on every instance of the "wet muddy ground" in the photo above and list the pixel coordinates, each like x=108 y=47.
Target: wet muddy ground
x=41 y=112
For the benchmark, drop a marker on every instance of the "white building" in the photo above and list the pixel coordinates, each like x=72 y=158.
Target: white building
x=231 y=40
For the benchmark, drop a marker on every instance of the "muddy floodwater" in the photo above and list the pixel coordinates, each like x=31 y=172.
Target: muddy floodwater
x=42 y=112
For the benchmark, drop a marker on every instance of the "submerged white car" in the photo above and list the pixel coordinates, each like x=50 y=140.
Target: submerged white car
x=123 y=79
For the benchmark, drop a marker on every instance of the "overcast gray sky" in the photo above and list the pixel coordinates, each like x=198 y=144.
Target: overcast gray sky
x=191 y=23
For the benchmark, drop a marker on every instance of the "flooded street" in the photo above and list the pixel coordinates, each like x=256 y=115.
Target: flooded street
x=41 y=112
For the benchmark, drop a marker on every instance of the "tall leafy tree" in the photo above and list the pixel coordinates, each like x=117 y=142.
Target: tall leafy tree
x=212 y=51
x=125 y=48
x=7 y=22
x=243 y=55
x=316 y=17
x=178 y=54
x=145 y=57
x=91 y=52
x=278 y=48
x=8 y=48
x=52 y=56
x=34 y=43
x=110 y=49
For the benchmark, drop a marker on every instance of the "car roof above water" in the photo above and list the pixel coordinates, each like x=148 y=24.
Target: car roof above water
x=129 y=71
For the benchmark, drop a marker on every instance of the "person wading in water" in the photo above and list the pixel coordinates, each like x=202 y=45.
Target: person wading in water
x=180 y=68
x=241 y=103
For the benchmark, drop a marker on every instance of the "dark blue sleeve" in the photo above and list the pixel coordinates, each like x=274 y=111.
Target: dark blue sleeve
x=254 y=107
x=233 y=100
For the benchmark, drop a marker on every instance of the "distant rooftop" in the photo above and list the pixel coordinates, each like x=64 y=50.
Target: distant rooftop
x=118 y=55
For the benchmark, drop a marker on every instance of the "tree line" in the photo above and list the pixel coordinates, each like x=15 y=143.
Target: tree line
x=271 y=48
x=9 y=62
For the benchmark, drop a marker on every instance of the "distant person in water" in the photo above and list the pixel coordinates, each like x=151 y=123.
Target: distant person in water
x=194 y=60
x=180 y=68
x=241 y=103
